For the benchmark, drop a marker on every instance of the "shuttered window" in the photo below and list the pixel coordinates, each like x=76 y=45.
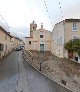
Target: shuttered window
x=29 y=42
x=1 y=47
x=74 y=26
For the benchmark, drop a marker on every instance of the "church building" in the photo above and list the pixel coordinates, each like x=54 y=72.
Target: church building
x=39 y=40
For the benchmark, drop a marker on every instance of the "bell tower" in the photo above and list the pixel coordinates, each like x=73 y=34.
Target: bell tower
x=33 y=27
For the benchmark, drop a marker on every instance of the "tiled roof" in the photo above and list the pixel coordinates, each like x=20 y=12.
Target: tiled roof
x=72 y=20
x=28 y=37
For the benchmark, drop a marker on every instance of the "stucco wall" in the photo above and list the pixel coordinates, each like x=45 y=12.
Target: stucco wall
x=68 y=31
x=58 y=40
x=5 y=40
x=27 y=45
x=36 y=40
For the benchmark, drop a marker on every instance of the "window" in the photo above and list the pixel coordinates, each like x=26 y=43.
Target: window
x=29 y=42
x=41 y=36
x=74 y=37
x=74 y=26
x=1 y=47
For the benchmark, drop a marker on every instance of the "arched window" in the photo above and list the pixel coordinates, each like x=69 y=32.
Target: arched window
x=33 y=27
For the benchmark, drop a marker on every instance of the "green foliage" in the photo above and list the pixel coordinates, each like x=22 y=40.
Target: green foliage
x=79 y=52
x=73 y=45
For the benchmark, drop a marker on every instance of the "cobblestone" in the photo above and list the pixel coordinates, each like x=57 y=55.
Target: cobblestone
x=57 y=69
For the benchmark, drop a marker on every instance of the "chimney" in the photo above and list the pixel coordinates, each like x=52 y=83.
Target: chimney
x=41 y=25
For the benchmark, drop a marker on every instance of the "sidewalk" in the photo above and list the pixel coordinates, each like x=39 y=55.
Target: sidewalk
x=4 y=57
x=62 y=71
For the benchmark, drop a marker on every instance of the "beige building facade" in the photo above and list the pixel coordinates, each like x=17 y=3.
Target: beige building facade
x=8 y=42
x=5 y=42
x=39 y=40
x=16 y=42
x=63 y=32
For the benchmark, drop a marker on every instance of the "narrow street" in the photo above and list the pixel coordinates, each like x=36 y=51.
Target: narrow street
x=16 y=76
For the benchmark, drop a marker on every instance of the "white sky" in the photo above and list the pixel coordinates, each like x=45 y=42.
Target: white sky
x=20 y=13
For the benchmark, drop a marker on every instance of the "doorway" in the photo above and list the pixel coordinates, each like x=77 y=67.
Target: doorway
x=41 y=47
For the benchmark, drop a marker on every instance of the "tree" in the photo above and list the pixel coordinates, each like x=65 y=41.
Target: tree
x=73 y=45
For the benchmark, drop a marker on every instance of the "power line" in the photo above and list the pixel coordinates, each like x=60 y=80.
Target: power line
x=48 y=13
x=13 y=32
x=60 y=9
x=17 y=35
x=7 y=26
x=9 y=29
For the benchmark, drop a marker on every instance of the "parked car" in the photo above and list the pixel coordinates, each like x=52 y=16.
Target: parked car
x=18 y=49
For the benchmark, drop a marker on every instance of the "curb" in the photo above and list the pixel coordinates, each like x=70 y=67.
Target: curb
x=48 y=76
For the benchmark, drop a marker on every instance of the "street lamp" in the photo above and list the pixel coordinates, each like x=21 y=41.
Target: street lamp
x=41 y=58
x=40 y=65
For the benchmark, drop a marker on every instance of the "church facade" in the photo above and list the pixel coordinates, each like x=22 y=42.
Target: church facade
x=39 y=40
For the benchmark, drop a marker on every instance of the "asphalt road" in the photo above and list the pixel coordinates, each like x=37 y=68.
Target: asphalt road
x=16 y=76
